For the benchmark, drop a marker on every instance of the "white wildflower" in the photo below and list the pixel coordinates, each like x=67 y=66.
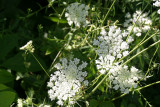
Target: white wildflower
x=67 y=81
x=20 y=103
x=123 y=78
x=103 y=32
x=112 y=42
x=142 y=22
x=43 y=105
x=28 y=47
x=76 y=13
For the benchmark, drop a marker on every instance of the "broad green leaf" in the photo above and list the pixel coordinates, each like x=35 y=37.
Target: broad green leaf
x=5 y=76
x=93 y=103
x=15 y=63
x=132 y=105
x=107 y=104
x=7 y=98
x=7 y=43
x=56 y=19
x=18 y=63
x=3 y=87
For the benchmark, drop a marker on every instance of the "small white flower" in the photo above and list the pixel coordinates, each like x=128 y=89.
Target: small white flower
x=20 y=103
x=124 y=46
x=158 y=11
x=28 y=47
x=125 y=53
x=103 y=32
x=86 y=82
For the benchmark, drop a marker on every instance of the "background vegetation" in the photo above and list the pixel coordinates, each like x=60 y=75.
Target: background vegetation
x=22 y=77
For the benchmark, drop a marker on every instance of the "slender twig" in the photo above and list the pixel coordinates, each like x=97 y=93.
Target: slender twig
x=145 y=99
x=141 y=43
x=97 y=86
x=40 y=64
x=108 y=12
x=138 y=89
x=141 y=52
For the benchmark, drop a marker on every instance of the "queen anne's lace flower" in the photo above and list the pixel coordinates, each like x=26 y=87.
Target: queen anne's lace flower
x=76 y=13
x=143 y=22
x=28 y=47
x=122 y=78
x=157 y=4
x=66 y=82
x=112 y=43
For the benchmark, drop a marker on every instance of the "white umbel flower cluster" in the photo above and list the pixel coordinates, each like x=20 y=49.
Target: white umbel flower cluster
x=67 y=81
x=28 y=47
x=112 y=43
x=122 y=78
x=157 y=4
x=142 y=22
x=76 y=13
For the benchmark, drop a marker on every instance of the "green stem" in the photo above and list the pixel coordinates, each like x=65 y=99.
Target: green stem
x=140 y=52
x=149 y=65
x=141 y=43
x=138 y=89
x=108 y=12
x=134 y=24
x=96 y=86
x=40 y=65
x=145 y=99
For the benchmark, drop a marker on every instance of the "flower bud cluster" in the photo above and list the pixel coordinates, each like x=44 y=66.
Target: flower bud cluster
x=157 y=4
x=77 y=13
x=142 y=22
x=28 y=47
x=66 y=83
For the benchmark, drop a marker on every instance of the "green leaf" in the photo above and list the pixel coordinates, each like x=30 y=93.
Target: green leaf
x=93 y=103
x=131 y=105
x=107 y=104
x=18 y=63
x=101 y=88
x=7 y=43
x=15 y=63
x=7 y=98
x=56 y=19
x=5 y=77
x=3 y=87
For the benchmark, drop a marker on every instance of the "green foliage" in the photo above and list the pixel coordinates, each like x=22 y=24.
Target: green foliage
x=6 y=98
x=23 y=63
x=24 y=20
x=7 y=43
x=6 y=78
